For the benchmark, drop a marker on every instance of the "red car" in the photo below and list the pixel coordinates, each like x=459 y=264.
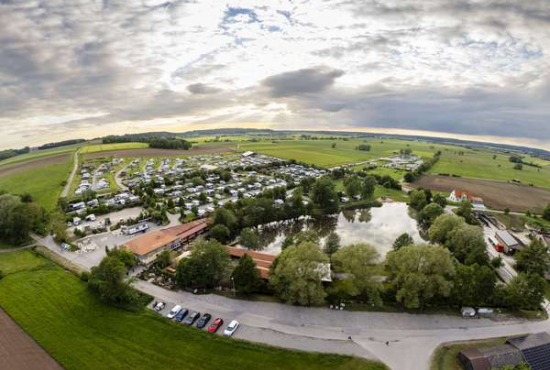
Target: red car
x=216 y=324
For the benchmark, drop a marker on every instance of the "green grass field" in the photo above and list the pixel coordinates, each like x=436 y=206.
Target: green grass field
x=321 y=153
x=81 y=333
x=39 y=154
x=481 y=165
x=96 y=148
x=44 y=183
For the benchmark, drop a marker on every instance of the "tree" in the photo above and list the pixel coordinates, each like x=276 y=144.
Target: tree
x=225 y=217
x=418 y=200
x=333 y=145
x=465 y=210
x=206 y=267
x=249 y=239
x=524 y=292
x=221 y=233
x=420 y=273
x=296 y=276
x=246 y=277
x=518 y=166
x=440 y=199
x=308 y=236
x=324 y=195
x=123 y=255
x=108 y=281
x=533 y=258
x=442 y=227
x=473 y=285
x=352 y=185
x=546 y=213
x=369 y=185
x=403 y=240
x=164 y=259
x=467 y=244
x=332 y=244
x=430 y=213
x=359 y=263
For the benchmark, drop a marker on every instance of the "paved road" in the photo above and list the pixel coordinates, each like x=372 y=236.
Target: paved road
x=411 y=339
x=118 y=180
x=65 y=191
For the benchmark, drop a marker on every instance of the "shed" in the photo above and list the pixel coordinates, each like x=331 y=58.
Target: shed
x=508 y=242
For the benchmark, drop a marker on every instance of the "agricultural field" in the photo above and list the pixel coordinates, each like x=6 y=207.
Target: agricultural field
x=321 y=153
x=43 y=182
x=482 y=165
x=82 y=333
x=96 y=148
x=40 y=154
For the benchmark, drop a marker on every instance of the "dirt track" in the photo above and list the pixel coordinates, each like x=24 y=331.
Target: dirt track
x=150 y=152
x=36 y=163
x=18 y=351
x=497 y=195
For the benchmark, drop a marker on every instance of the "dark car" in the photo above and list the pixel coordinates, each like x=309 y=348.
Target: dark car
x=181 y=315
x=203 y=320
x=216 y=324
x=191 y=317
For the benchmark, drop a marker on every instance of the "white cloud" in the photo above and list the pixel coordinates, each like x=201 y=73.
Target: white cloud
x=75 y=68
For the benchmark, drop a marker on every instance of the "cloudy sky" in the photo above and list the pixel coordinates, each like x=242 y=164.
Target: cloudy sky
x=87 y=68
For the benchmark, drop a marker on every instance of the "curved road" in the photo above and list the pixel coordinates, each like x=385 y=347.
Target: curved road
x=403 y=341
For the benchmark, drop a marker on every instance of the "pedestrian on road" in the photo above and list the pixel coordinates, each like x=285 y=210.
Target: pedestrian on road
x=349 y=338
x=387 y=343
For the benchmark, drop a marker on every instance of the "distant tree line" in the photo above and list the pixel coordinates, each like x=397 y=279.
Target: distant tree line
x=161 y=141
x=423 y=168
x=9 y=153
x=61 y=143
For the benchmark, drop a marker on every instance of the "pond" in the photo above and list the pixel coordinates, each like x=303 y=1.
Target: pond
x=378 y=227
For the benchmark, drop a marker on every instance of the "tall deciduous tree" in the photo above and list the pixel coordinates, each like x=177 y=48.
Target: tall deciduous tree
x=359 y=261
x=324 y=195
x=402 y=240
x=332 y=244
x=533 y=258
x=369 y=185
x=297 y=275
x=420 y=273
x=473 y=285
x=246 y=277
x=206 y=267
x=108 y=281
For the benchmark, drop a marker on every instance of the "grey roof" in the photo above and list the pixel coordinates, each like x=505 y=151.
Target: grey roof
x=507 y=238
x=530 y=341
x=535 y=348
x=501 y=356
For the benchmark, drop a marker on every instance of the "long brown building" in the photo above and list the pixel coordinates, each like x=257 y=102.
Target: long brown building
x=148 y=246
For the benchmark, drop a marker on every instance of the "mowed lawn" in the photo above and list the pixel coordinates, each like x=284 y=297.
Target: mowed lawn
x=43 y=183
x=321 y=153
x=109 y=147
x=81 y=333
x=481 y=165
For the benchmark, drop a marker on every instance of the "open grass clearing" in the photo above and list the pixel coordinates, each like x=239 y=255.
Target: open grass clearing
x=44 y=183
x=81 y=333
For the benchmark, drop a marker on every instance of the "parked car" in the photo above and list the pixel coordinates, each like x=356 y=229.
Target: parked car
x=231 y=328
x=191 y=318
x=181 y=315
x=216 y=325
x=203 y=320
x=174 y=311
x=159 y=306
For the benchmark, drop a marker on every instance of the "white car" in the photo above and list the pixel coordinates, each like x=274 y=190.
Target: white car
x=231 y=328
x=159 y=306
x=174 y=312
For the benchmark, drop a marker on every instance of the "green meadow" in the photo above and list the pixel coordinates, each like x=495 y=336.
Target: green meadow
x=81 y=333
x=43 y=183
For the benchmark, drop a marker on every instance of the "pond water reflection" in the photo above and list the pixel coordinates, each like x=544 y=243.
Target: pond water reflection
x=376 y=226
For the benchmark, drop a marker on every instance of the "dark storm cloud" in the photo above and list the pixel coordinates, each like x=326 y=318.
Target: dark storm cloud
x=302 y=81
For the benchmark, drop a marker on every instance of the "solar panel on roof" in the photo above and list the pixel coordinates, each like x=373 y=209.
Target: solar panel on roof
x=538 y=357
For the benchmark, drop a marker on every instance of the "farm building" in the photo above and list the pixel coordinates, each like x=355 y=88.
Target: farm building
x=146 y=247
x=458 y=196
x=248 y=154
x=507 y=241
x=533 y=349
x=263 y=260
